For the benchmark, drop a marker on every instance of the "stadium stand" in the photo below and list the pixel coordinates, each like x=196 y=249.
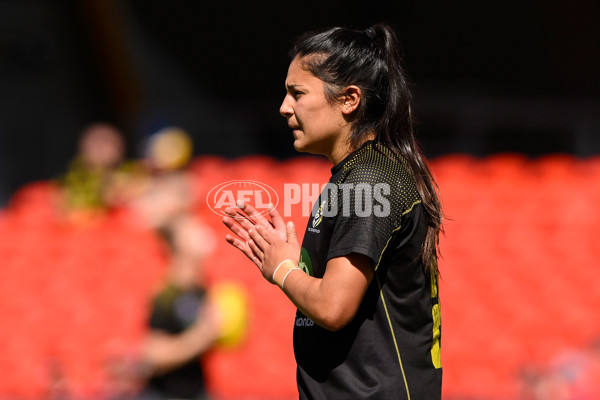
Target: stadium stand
x=518 y=286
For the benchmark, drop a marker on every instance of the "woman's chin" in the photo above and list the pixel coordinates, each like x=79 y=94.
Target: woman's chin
x=299 y=145
x=309 y=148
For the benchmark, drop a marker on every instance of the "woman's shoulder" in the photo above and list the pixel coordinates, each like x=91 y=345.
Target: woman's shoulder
x=376 y=163
x=384 y=172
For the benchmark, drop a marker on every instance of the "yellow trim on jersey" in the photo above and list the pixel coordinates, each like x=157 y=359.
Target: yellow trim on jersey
x=435 y=311
x=385 y=305
x=394 y=231
x=393 y=336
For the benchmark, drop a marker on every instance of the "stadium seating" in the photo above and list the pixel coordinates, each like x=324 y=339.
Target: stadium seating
x=518 y=287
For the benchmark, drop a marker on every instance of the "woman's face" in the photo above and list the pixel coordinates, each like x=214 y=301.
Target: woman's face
x=318 y=126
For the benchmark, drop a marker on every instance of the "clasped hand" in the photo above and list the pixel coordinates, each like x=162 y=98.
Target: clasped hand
x=265 y=242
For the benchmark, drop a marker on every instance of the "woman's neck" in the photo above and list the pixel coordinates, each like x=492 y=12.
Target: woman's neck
x=343 y=148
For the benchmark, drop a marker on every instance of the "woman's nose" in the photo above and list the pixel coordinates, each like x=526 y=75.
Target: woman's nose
x=286 y=109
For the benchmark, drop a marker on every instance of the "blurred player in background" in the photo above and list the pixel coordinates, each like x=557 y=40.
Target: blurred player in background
x=159 y=188
x=187 y=316
x=184 y=324
x=84 y=187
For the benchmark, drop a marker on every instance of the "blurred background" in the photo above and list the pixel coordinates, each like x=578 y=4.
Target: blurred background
x=507 y=98
x=518 y=76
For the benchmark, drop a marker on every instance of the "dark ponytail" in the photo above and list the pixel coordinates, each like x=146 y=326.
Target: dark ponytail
x=371 y=60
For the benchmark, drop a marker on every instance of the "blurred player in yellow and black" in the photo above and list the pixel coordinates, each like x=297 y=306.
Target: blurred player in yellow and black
x=183 y=323
x=85 y=186
x=188 y=316
x=365 y=280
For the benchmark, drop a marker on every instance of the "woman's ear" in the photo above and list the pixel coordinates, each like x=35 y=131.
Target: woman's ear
x=351 y=99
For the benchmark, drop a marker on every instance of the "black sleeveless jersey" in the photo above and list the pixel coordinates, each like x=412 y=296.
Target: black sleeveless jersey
x=391 y=349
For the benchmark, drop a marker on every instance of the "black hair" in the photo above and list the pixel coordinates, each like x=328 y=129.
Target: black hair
x=371 y=59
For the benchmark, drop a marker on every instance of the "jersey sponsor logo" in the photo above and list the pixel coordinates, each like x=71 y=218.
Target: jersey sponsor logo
x=304 y=322
x=305 y=262
x=227 y=194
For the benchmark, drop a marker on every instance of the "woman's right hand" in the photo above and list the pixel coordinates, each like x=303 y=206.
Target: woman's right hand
x=246 y=218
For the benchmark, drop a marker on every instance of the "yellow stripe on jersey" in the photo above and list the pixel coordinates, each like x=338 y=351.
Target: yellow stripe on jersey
x=393 y=336
x=394 y=231
x=385 y=305
x=435 y=311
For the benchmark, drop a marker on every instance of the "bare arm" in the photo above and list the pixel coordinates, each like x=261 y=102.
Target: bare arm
x=163 y=352
x=331 y=302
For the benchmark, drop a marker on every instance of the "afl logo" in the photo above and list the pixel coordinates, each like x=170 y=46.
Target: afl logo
x=259 y=195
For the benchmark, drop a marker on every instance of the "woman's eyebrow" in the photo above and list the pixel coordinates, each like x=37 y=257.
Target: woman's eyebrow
x=292 y=86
